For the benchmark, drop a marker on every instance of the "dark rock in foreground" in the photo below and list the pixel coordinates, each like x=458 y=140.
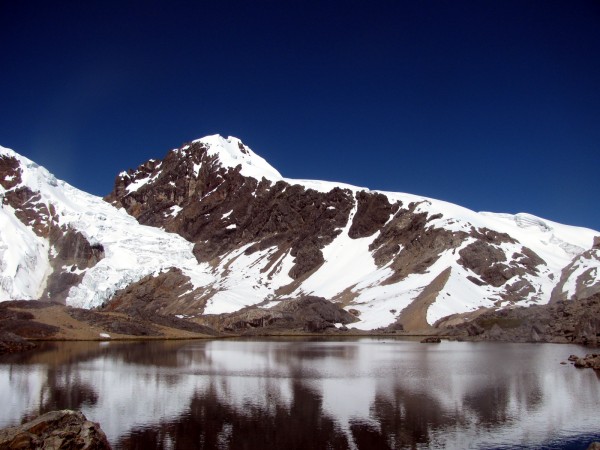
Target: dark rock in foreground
x=431 y=340
x=64 y=429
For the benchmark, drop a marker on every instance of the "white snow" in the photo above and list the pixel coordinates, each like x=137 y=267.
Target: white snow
x=24 y=263
x=230 y=155
x=132 y=251
x=174 y=211
x=584 y=266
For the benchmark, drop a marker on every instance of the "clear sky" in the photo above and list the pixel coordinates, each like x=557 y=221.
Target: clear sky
x=494 y=105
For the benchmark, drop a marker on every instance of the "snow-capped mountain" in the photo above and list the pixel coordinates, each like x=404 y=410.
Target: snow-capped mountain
x=229 y=231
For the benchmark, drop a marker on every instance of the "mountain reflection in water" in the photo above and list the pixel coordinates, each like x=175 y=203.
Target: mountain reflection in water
x=310 y=394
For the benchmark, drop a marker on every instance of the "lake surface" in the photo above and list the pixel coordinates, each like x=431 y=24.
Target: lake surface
x=363 y=393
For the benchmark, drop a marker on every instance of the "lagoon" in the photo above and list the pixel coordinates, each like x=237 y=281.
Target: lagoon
x=307 y=393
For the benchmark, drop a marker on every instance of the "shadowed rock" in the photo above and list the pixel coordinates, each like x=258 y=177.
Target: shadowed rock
x=64 y=429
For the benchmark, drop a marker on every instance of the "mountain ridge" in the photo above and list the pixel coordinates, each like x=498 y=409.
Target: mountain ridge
x=392 y=258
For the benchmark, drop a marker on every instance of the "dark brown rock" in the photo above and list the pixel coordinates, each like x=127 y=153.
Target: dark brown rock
x=163 y=293
x=573 y=321
x=411 y=244
x=309 y=314
x=155 y=299
x=373 y=211
x=12 y=343
x=15 y=325
x=487 y=261
x=55 y=430
x=431 y=340
x=74 y=251
x=31 y=210
x=222 y=210
x=136 y=326
x=10 y=172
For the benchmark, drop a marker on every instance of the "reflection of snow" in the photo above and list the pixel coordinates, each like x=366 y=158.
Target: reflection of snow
x=445 y=386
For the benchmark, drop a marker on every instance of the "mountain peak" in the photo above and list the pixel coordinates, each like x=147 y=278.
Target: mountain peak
x=232 y=152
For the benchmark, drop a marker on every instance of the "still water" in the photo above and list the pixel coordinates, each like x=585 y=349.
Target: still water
x=311 y=394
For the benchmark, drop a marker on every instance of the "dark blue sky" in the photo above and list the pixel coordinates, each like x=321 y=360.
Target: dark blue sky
x=494 y=105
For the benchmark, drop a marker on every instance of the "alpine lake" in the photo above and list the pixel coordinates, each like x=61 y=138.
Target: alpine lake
x=309 y=393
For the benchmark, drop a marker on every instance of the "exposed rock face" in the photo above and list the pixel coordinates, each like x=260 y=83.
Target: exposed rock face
x=75 y=254
x=10 y=172
x=486 y=258
x=165 y=293
x=373 y=211
x=582 y=274
x=410 y=245
x=309 y=314
x=574 y=321
x=221 y=210
x=70 y=251
x=64 y=429
x=157 y=299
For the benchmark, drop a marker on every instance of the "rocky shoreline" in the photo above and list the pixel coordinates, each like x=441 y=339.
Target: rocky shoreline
x=568 y=322
x=24 y=322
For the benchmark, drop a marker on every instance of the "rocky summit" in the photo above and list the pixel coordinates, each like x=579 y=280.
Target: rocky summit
x=211 y=230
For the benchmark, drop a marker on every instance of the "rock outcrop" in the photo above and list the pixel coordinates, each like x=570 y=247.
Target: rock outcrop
x=307 y=314
x=65 y=430
x=220 y=210
x=573 y=321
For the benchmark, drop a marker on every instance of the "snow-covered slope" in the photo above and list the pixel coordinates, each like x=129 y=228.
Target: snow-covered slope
x=244 y=235
x=131 y=250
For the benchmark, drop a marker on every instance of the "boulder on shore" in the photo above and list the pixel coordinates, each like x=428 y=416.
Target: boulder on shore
x=54 y=430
